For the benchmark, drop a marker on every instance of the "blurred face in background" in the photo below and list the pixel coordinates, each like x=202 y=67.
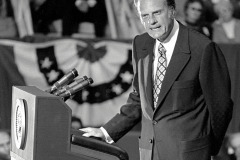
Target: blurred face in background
x=4 y=144
x=156 y=17
x=225 y=12
x=193 y=12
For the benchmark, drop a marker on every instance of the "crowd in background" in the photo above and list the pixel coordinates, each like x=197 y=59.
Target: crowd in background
x=217 y=19
x=69 y=13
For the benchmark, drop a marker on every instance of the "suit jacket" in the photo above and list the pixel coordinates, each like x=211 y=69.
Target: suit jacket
x=194 y=105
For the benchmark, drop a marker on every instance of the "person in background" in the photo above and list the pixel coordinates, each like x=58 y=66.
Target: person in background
x=226 y=29
x=194 y=11
x=44 y=15
x=76 y=122
x=93 y=11
x=71 y=13
x=181 y=90
x=4 y=144
x=234 y=145
x=210 y=15
x=8 y=26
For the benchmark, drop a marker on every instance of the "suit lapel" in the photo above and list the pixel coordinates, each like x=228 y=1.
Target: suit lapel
x=147 y=67
x=180 y=57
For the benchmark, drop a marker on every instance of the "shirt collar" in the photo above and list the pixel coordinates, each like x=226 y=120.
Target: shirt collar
x=171 y=39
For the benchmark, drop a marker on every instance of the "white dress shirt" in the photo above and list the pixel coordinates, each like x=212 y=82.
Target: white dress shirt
x=169 y=45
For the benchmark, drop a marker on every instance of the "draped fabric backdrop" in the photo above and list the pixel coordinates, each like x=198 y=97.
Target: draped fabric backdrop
x=9 y=76
x=42 y=61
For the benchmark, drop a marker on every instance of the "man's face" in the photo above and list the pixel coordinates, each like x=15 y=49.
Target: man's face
x=156 y=17
x=4 y=143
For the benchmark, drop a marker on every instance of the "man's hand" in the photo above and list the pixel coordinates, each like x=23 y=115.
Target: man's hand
x=93 y=132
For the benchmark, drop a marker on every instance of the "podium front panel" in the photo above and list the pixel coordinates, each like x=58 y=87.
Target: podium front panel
x=45 y=117
x=41 y=130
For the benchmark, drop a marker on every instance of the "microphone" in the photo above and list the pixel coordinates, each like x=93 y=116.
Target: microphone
x=70 y=92
x=63 y=81
x=67 y=87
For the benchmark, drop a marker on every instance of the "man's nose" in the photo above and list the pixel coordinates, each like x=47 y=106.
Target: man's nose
x=152 y=20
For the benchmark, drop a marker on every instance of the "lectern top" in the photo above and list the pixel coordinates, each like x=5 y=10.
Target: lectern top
x=34 y=90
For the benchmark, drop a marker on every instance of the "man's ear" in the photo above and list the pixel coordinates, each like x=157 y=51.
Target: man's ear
x=172 y=13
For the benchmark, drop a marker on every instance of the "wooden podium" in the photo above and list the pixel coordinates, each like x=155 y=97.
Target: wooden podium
x=41 y=130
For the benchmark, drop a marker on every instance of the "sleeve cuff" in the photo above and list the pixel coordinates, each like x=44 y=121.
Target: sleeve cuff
x=108 y=139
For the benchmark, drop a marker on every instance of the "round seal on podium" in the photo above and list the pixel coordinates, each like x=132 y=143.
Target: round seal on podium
x=20 y=123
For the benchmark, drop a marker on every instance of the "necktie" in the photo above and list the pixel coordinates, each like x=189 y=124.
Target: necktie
x=161 y=70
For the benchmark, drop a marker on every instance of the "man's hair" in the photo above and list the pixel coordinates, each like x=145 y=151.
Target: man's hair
x=170 y=3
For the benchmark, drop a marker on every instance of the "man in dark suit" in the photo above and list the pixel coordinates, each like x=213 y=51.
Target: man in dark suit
x=192 y=110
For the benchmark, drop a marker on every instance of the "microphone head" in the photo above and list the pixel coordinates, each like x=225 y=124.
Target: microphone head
x=66 y=79
x=75 y=88
x=90 y=80
x=75 y=82
x=85 y=77
x=74 y=72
